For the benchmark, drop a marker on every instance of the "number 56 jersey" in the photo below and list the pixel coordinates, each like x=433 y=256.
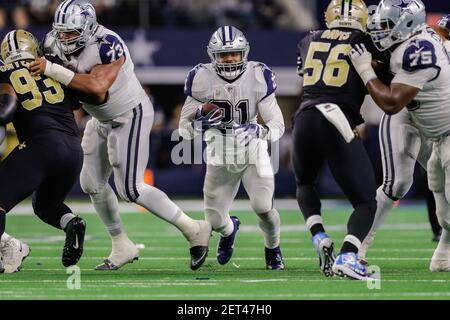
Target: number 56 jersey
x=104 y=47
x=328 y=75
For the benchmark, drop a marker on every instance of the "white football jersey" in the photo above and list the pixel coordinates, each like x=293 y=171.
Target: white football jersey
x=241 y=100
x=104 y=47
x=423 y=62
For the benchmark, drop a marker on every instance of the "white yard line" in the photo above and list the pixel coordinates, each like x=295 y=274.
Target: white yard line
x=244 y=258
x=197 y=205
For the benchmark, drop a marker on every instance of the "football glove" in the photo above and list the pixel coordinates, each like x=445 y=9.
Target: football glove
x=247 y=132
x=204 y=122
x=362 y=61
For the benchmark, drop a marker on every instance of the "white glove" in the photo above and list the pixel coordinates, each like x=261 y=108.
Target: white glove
x=362 y=61
x=247 y=132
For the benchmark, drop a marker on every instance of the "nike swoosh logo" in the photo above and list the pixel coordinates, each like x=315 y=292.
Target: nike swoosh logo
x=76 y=242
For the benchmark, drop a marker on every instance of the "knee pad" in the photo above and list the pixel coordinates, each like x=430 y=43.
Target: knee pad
x=89 y=182
x=262 y=206
x=436 y=176
x=399 y=188
x=113 y=150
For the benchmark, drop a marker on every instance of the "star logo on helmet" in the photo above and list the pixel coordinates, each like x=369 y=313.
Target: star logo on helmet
x=85 y=13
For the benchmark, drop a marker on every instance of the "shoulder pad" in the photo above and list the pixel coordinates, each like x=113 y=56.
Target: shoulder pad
x=190 y=79
x=110 y=48
x=419 y=54
x=268 y=79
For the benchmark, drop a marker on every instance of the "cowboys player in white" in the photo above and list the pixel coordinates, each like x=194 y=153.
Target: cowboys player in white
x=236 y=143
x=400 y=151
x=97 y=63
x=421 y=67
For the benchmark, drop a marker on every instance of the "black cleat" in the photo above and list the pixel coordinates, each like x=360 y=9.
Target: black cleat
x=73 y=247
x=2 y=269
x=274 y=259
x=198 y=256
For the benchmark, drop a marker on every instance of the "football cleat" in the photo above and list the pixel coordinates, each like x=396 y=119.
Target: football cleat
x=226 y=244
x=274 y=259
x=73 y=246
x=440 y=262
x=198 y=244
x=13 y=252
x=348 y=266
x=123 y=251
x=325 y=251
x=2 y=269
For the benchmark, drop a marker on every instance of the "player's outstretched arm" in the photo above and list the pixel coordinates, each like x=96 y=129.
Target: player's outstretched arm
x=391 y=99
x=273 y=118
x=96 y=83
x=8 y=103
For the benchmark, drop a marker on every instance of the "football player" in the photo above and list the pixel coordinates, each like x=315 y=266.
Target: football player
x=442 y=27
x=116 y=139
x=421 y=67
x=236 y=143
x=324 y=131
x=400 y=150
x=48 y=160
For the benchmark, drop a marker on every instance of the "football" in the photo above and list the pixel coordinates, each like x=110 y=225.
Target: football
x=208 y=107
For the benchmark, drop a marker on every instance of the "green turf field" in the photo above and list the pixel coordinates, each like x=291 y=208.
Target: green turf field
x=402 y=251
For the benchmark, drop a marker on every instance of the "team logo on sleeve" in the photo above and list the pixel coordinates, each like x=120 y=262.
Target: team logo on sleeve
x=110 y=48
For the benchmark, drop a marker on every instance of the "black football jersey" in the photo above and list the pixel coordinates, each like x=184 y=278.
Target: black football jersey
x=44 y=104
x=328 y=74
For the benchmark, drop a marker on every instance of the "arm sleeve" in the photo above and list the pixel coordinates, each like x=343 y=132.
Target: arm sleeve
x=273 y=118
x=185 y=126
x=417 y=78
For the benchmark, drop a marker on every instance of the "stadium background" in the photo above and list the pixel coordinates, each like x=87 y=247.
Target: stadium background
x=167 y=38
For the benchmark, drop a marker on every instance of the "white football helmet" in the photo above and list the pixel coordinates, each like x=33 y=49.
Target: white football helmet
x=394 y=21
x=228 y=39
x=78 y=16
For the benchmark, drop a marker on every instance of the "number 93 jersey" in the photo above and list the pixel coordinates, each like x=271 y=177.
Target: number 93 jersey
x=104 y=47
x=43 y=103
x=422 y=62
x=328 y=75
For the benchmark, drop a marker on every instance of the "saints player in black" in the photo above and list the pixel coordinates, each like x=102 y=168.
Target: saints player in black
x=324 y=131
x=48 y=160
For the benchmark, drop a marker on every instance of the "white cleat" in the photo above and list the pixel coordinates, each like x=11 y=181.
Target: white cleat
x=13 y=252
x=123 y=251
x=198 y=244
x=440 y=262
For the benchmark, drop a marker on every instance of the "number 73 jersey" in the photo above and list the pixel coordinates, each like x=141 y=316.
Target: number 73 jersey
x=43 y=104
x=328 y=75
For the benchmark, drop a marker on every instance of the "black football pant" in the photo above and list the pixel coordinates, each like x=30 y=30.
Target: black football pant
x=45 y=166
x=317 y=141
